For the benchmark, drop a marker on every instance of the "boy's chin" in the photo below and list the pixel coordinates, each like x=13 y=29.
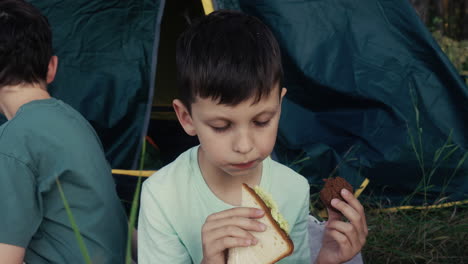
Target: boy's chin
x=244 y=172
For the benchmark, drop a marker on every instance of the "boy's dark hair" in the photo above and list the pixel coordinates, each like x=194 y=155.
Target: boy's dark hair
x=227 y=56
x=25 y=43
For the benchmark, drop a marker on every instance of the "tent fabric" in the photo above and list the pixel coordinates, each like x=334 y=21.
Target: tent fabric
x=370 y=95
x=226 y=4
x=106 y=51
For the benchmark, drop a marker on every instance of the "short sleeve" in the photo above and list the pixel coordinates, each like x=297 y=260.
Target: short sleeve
x=300 y=236
x=157 y=241
x=19 y=201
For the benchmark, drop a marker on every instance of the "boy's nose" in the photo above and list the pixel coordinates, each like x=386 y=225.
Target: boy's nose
x=243 y=143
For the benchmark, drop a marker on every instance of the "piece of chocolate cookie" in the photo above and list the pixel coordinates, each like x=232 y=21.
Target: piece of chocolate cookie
x=332 y=189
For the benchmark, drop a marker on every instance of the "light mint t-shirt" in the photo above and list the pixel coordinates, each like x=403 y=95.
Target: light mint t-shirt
x=175 y=202
x=48 y=140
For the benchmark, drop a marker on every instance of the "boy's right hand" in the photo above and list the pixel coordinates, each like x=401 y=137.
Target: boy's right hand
x=229 y=229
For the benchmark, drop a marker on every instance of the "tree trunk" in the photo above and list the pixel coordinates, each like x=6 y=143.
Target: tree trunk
x=422 y=9
x=464 y=21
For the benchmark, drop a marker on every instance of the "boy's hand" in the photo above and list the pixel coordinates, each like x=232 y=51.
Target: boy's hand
x=343 y=240
x=229 y=229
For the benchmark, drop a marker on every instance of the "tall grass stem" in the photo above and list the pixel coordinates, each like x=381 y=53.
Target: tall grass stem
x=79 y=238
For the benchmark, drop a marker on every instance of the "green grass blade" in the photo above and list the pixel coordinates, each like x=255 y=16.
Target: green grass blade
x=455 y=148
x=300 y=161
x=79 y=238
x=343 y=160
x=446 y=145
x=460 y=163
x=433 y=170
x=133 y=210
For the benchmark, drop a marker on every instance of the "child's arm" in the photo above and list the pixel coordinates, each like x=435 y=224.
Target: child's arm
x=229 y=229
x=343 y=240
x=19 y=207
x=11 y=254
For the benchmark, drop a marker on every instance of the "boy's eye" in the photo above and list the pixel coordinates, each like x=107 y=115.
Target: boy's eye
x=220 y=129
x=262 y=123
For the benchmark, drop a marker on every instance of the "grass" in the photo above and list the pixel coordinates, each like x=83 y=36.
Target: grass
x=436 y=236
x=417 y=236
x=429 y=235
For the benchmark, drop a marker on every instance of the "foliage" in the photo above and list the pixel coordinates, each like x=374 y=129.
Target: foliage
x=429 y=235
x=456 y=51
x=418 y=236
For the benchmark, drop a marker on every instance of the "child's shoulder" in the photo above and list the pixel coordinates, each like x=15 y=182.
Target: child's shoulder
x=286 y=179
x=283 y=171
x=173 y=174
x=41 y=114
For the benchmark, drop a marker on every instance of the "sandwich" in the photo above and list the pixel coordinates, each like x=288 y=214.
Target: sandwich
x=273 y=243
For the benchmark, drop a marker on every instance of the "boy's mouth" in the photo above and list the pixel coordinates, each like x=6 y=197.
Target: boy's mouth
x=244 y=165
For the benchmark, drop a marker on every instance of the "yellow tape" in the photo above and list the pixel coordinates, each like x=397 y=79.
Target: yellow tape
x=323 y=213
x=407 y=207
x=144 y=173
x=361 y=188
x=207 y=6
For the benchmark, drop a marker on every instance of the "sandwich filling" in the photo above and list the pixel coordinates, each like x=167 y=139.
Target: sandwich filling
x=268 y=200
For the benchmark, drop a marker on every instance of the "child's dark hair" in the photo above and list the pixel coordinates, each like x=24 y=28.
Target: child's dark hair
x=25 y=43
x=228 y=56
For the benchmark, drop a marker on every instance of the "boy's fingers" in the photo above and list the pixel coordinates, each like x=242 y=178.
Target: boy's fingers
x=225 y=243
x=351 y=214
x=351 y=200
x=228 y=231
x=237 y=211
x=354 y=203
x=333 y=215
x=348 y=230
x=342 y=240
x=242 y=222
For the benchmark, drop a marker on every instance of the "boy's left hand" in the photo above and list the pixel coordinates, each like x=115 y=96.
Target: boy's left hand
x=343 y=240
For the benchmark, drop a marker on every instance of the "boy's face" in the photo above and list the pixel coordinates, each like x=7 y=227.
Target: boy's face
x=234 y=140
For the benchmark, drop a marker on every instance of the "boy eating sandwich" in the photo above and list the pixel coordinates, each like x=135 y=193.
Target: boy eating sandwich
x=229 y=74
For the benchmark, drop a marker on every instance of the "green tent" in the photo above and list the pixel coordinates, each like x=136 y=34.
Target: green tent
x=370 y=93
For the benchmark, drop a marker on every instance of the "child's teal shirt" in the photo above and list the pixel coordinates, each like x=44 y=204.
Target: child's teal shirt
x=176 y=201
x=46 y=141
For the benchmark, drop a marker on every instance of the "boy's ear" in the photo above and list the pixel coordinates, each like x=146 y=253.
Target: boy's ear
x=52 y=69
x=184 y=117
x=283 y=92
